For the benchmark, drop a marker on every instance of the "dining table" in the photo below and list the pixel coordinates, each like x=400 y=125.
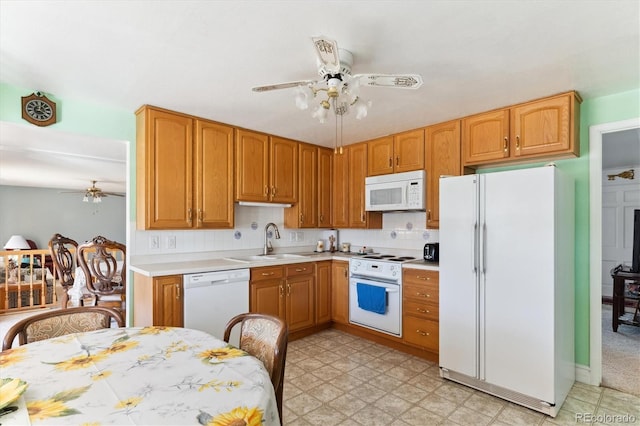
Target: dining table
x=139 y=376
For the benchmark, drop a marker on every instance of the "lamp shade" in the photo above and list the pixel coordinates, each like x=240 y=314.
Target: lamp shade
x=17 y=242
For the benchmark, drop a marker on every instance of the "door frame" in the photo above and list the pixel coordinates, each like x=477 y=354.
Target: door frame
x=596 y=134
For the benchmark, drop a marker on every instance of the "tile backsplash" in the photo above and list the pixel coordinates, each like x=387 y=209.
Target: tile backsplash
x=400 y=231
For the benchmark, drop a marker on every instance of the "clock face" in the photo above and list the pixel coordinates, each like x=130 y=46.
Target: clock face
x=39 y=110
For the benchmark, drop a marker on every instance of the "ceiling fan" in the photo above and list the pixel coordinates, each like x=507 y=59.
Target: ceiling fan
x=337 y=87
x=94 y=193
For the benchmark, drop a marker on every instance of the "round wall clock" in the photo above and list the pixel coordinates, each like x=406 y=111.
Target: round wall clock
x=38 y=109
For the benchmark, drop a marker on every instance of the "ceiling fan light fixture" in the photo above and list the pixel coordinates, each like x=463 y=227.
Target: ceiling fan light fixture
x=97 y=199
x=85 y=198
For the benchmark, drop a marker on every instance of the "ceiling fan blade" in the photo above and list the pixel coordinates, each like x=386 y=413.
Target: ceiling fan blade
x=111 y=194
x=400 y=81
x=327 y=52
x=282 y=85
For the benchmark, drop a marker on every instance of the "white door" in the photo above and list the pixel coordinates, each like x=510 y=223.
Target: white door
x=458 y=274
x=517 y=281
x=619 y=198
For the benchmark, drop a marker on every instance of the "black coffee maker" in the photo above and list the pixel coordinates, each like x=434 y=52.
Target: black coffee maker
x=432 y=252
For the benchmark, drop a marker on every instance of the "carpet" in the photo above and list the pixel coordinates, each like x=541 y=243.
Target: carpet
x=620 y=355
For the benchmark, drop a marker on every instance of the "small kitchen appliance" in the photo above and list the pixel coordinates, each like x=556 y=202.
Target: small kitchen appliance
x=432 y=252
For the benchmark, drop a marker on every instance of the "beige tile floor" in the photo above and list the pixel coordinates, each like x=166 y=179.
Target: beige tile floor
x=334 y=378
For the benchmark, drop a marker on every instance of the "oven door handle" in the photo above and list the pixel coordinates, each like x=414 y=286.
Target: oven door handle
x=387 y=289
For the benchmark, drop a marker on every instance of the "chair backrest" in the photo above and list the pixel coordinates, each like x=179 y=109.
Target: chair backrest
x=63 y=254
x=60 y=322
x=265 y=337
x=104 y=265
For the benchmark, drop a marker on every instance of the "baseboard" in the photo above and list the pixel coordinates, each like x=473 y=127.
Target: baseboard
x=583 y=374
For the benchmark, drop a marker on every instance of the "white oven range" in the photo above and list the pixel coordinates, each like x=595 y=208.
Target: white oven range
x=383 y=271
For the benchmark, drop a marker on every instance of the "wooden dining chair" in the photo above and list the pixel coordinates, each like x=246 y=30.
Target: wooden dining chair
x=265 y=337
x=60 y=322
x=103 y=263
x=63 y=255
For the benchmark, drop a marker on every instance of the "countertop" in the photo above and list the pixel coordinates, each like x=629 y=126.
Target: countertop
x=195 y=266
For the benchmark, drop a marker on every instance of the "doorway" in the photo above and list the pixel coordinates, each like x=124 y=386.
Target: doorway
x=597 y=137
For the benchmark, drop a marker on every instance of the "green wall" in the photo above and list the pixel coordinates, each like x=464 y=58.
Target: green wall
x=96 y=120
x=80 y=118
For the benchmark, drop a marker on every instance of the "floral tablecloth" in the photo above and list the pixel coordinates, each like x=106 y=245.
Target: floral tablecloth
x=141 y=376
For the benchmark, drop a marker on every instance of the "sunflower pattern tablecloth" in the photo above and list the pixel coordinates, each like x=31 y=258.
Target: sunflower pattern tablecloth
x=141 y=376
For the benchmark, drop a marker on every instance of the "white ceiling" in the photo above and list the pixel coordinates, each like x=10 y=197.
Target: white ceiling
x=203 y=57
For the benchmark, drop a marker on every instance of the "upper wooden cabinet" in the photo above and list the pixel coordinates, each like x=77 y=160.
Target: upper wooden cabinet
x=398 y=153
x=214 y=175
x=266 y=168
x=183 y=182
x=357 y=171
x=325 y=173
x=442 y=159
x=304 y=214
x=540 y=129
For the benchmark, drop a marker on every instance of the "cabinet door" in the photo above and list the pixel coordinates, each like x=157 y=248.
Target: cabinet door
x=542 y=127
x=323 y=292
x=214 y=175
x=485 y=137
x=443 y=159
x=380 y=158
x=340 y=195
x=267 y=297
x=340 y=292
x=252 y=166
x=165 y=179
x=308 y=182
x=168 y=301
x=357 y=174
x=300 y=302
x=325 y=172
x=284 y=170
x=408 y=150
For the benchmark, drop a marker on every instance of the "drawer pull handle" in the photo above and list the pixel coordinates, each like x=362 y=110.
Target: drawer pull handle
x=420 y=277
x=423 y=295
x=424 y=311
x=422 y=333
x=301 y=270
x=266 y=274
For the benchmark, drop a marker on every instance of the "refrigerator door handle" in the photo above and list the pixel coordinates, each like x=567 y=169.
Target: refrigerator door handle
x=474 y=252
x=484 y=248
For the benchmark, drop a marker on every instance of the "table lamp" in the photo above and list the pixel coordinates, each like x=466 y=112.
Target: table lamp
x=16 y=242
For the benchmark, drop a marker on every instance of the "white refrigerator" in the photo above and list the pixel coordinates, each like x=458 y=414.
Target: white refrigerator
x=507 y=284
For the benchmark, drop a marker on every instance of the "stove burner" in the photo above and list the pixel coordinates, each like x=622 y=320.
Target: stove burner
x=387 y=255
x=406 y=258
x=372 y=257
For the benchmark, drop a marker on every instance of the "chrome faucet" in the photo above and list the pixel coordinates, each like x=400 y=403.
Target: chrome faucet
x=268 y=248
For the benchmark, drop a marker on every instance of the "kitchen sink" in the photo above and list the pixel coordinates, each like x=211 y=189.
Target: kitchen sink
x=265 y=257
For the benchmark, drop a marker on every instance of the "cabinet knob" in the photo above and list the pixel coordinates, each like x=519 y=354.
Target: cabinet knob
x=281 y=290
x=397 y=160
x=288 y=289
x=266 y=274
x=423 y=294
x=517 y=141
x=422 y=333
x=273 y=191
x=505 y=147
x=301 y=269
x=200 y=215
x=266 y=190
x=178 y=291
x=424 y=311
x=189 y=215
x=390 y=162
x=420 y=277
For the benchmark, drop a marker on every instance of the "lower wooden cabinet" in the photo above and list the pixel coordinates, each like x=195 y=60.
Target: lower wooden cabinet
x=286 y=291
x=340 y=292
x=323 y=292
x=158 y=301
x=420 y=325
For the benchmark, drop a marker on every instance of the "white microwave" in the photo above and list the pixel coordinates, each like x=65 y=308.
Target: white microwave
x=396 y=192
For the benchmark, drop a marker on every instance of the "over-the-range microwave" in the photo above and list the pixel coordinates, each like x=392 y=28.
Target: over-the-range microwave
x=396 y=192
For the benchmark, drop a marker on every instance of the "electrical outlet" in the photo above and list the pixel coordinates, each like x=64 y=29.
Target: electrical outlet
x=300 y=236
x=292 y=237
x=154 y=242
x=171 y=242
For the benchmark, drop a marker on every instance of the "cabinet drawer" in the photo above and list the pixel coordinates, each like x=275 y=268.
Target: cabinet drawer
x=421 y=332
x=299 y=269
x=426 y=292
x=266 y=273
x=421 y=309
x=419 y=276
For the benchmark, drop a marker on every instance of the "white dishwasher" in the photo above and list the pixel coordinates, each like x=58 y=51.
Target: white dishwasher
x=211 y=299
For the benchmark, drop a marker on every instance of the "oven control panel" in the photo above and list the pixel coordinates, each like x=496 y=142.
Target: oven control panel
x=375 y=269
